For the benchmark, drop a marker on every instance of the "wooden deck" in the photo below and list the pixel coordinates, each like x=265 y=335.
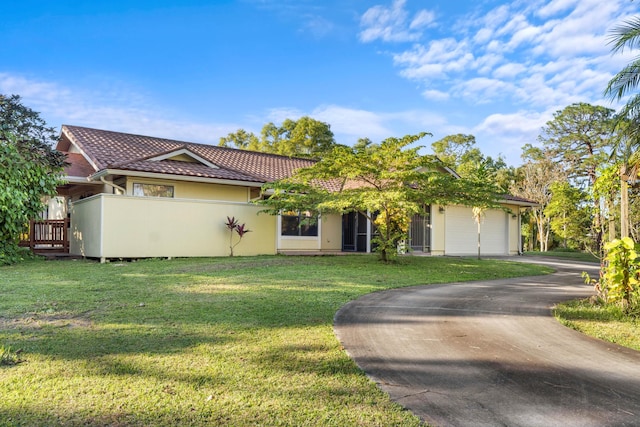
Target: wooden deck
x=48 y=236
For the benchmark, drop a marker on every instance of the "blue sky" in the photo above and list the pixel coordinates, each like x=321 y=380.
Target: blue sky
x=196 y=70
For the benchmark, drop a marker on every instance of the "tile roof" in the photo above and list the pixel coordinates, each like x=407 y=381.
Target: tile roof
x=518 y=200
x=123 y=151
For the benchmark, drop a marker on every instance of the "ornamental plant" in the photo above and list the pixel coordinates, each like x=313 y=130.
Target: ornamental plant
x=620 y=275
x=234 y=226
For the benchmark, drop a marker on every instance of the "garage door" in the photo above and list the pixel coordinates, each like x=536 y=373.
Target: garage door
x=461 y=232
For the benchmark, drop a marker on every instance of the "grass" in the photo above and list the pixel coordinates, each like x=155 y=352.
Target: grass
x=608 y=323
x=568 y=254
x=195 y=342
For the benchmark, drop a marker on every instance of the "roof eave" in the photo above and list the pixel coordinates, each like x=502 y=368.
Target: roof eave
x=106 y=172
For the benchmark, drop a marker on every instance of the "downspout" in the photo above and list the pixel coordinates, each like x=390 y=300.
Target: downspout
x=111 y=184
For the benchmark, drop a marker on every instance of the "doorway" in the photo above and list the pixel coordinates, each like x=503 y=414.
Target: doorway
x=354 y=232
x=420 y=231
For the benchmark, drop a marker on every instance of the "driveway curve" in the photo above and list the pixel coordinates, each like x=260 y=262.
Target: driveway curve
x=489 y=353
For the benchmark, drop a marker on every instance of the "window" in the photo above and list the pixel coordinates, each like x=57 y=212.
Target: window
x=299 y=224
x=152 y=190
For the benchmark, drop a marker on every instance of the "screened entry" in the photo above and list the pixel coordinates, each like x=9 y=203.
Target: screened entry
x=355 y=232
x=420 y=231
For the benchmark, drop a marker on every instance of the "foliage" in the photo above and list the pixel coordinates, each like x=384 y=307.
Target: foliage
x=219 y=341
x=569 y=217
x=579 y=137
x=620 y=276
x=625 y=82
x=305 y=137
x=386 y=182
x=534 y=182
x=459 y=153
x=233 y=225
x=29 y=170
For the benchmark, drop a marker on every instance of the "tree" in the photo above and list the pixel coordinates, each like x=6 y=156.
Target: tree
x=29 y=169
x=459 y=153
x=386 y=182
x=241 y=139
x=579 y=137
x=625 y=82
x=536 y=177
x=305 y=137
x=568 y=216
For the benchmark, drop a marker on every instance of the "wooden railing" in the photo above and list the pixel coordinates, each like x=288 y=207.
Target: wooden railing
x=48 y=235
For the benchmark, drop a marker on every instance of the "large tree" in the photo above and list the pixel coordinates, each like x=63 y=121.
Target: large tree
x=459 y=152
x=29 y=169
x=305 y=137
x=536 y=178
x=386 y=182
x=569 y=216
x=580 y=138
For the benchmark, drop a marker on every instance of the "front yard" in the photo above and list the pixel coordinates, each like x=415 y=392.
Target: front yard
x=194 y=342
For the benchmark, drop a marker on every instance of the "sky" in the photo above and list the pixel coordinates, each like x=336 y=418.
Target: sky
x=196 y=70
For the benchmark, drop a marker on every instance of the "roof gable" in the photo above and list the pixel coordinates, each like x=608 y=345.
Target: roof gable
x=183 y=155
x=108 y=150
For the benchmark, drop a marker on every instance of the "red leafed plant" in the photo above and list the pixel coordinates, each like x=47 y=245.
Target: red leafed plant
x=241 y=229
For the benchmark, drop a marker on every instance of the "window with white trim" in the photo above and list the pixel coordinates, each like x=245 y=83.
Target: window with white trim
x=152 y=190
x=298 y=224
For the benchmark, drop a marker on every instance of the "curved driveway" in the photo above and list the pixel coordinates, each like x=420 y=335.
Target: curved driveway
x=490 y=354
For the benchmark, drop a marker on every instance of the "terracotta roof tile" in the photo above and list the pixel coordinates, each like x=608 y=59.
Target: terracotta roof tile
x=108 y=149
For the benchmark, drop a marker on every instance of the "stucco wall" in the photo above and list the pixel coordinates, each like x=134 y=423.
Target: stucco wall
x=196 y=190
x=511 y=229
x=85 y=238
x=139 y=227
x=437 y=230
x=331 y=233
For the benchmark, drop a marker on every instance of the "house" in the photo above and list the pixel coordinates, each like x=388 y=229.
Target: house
x=134 y=196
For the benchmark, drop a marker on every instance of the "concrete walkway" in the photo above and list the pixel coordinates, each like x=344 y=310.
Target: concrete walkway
x=490 y=354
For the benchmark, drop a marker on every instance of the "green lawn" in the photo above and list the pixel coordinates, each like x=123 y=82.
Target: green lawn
x=195 y=342
x=605 y=323
x=568 y=254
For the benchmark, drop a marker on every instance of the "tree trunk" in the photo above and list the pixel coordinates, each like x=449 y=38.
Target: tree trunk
x=478 y=239
x=624 y=208
x=612 y=219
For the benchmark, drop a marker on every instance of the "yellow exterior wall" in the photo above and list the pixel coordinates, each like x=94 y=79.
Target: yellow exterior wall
x=437 y=230
x=197 y=190
x=514 y=229
x=142 y=227
x=85 y=237
x=331 y=236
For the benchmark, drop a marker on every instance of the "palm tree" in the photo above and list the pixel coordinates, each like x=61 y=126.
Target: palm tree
x=627 y=35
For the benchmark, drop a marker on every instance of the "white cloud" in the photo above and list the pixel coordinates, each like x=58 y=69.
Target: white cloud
x=114 y=110
x=392 y=24
x=435 y=95
x=353 y=123
x=423 y=18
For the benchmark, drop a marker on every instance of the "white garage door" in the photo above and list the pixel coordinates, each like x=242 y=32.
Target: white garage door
x=461 y=232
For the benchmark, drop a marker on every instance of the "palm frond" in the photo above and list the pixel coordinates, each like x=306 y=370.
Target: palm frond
x=627 y=79
x=626 y=35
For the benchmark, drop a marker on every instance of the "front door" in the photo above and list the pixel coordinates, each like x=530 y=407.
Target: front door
x=420 y=232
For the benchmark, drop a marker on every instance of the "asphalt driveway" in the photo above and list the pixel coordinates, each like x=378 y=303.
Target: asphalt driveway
x=490 y=354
